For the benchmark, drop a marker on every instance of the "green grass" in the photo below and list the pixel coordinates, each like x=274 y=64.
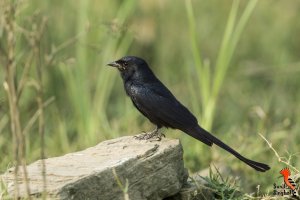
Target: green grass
x=223 y=187
x=234 y=64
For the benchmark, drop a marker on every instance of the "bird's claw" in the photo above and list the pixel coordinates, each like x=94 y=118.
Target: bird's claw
x=157 y=137
x=151 y=136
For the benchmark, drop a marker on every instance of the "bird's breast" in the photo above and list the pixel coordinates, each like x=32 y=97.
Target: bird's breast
x=132 y=89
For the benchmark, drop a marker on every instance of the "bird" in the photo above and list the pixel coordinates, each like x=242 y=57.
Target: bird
x=287 y=179
x=156 y=102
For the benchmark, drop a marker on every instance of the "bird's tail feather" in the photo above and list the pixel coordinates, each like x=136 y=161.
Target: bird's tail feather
x=209 y=139
x=195 y=134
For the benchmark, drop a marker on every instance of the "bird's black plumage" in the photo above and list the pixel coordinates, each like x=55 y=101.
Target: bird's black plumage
x=153 y=99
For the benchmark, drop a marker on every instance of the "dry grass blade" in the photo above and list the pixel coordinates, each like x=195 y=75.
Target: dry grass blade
x=10 y=88
x=122 y=187
x=280 y=158
x=14 y=87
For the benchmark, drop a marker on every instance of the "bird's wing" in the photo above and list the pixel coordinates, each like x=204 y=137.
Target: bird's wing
x=158 y=104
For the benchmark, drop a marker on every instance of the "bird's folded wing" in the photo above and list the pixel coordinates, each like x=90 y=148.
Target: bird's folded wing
x=159 y=104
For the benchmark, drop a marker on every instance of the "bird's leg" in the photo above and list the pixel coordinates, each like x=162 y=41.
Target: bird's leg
x=155 y=134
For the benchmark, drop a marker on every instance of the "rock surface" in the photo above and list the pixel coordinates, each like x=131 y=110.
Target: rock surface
x=153 y=170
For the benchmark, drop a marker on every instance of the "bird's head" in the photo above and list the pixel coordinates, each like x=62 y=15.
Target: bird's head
x=285 y=172
x=127 y=63
x=132 y=67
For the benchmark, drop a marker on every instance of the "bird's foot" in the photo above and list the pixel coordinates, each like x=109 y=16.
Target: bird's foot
x=154 y=135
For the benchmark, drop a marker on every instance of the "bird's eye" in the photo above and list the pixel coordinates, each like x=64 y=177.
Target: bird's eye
x=125 y=63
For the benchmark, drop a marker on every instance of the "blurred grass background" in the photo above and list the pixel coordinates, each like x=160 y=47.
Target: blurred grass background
x=183 y=41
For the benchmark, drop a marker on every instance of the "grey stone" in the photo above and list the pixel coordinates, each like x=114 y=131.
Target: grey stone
x=153 y=170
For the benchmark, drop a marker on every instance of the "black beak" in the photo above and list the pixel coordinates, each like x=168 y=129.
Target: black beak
x=113 y=64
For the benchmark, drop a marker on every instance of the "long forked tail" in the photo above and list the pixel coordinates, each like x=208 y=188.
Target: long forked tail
x=207 y=138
